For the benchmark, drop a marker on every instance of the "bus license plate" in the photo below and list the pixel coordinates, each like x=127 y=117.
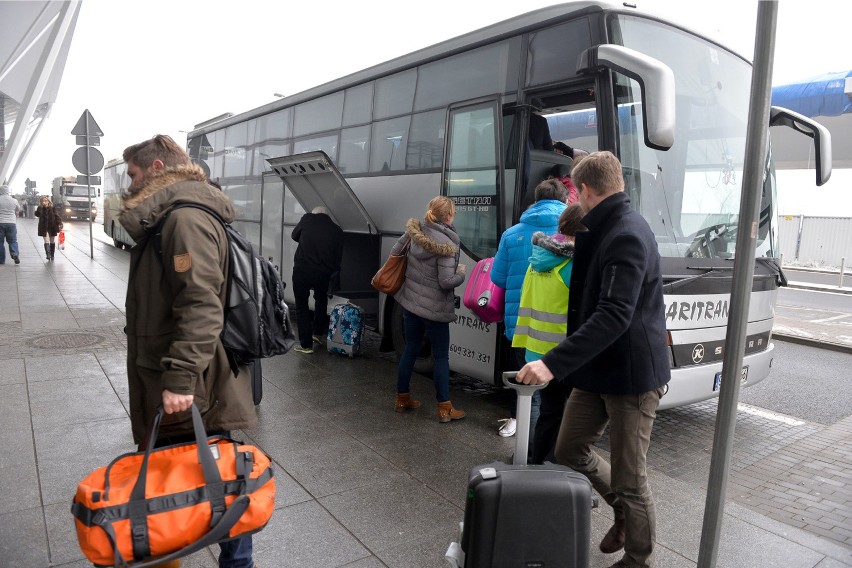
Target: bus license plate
x=717 y=381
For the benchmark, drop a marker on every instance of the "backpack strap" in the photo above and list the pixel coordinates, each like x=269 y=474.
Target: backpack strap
x=158 y=248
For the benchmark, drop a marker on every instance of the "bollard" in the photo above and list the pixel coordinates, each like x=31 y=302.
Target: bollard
x=842 y=268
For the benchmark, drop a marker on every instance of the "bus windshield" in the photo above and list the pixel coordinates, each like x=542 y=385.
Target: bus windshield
x=690 y=194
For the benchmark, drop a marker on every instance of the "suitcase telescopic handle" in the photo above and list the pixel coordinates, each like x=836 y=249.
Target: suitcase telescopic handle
x=522 y=434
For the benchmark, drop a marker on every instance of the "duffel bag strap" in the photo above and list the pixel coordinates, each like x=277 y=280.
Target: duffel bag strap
x=138 y=506
x=217 y=533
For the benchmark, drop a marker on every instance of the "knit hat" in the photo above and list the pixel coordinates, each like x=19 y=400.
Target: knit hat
x=4 y=189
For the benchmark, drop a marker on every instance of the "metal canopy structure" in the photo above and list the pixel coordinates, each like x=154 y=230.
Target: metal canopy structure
x=35 y=37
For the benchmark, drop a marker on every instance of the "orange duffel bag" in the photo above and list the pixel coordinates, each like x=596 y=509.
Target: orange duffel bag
x=151 y=507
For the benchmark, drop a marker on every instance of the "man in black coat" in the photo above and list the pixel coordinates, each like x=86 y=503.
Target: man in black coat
x=614 y=356
x=317 y=257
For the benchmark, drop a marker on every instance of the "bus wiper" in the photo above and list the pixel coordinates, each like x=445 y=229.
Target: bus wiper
x=670 y=287
x=775 y=266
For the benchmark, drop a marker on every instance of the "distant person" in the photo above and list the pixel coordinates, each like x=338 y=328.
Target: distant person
x=317 y=257
x=615 y=356
x=539 y=127
x=175 y=302
x=49 y=225
x=543 y=319
x=9 y=209
x=510 y=267
x=427 y=298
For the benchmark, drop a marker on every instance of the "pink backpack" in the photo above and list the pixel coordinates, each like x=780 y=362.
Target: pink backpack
x=483 y=297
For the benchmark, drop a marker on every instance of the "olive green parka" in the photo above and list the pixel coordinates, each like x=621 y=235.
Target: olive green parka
x=175 y=306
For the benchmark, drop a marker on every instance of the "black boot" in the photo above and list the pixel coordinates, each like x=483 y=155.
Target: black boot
x=52 y=250
x=47 y=250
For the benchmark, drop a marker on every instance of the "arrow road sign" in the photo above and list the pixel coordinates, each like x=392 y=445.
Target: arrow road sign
x=87 y=126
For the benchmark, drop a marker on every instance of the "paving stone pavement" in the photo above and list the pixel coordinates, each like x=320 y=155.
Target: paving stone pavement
x=359 y=485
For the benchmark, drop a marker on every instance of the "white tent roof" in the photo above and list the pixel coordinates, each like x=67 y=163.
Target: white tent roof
x=35 y=37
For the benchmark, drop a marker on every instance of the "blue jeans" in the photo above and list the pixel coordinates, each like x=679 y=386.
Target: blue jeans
x=8 y=232
x=236 y=553
x=438 y=333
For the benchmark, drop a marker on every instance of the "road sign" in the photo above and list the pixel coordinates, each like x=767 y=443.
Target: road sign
x=82 y=140
x=87 y=126
x=88 y=180
x=88 y=160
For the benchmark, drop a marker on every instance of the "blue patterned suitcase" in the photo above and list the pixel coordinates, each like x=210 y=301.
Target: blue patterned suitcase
x=345 y=329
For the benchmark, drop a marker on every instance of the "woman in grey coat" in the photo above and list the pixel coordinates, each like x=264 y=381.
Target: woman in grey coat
x=427 y=299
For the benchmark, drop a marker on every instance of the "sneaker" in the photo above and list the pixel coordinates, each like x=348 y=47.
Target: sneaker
x=318 y=339
x=300 y=349
x=16 y=259
x=508 y=427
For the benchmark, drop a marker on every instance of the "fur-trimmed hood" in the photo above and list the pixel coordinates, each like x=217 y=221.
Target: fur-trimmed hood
x=162 y=190
x=418 y=235
x=550 y=251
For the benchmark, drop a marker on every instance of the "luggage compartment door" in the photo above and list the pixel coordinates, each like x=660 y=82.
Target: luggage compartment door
x=315 y=181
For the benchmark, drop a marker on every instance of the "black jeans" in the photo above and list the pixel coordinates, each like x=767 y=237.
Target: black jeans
x=552 y=408
x=311 y=324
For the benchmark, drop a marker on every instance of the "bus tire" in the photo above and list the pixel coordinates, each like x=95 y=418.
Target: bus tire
x=424 y=363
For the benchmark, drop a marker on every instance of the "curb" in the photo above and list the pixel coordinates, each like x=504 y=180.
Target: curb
x=819 y=287
x=813 y=342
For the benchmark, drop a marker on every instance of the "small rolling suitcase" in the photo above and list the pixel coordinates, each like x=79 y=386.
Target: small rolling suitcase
x=345 y=329
x=481 y=296
x=525 y=515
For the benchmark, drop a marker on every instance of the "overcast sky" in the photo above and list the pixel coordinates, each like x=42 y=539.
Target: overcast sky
x=162 y=66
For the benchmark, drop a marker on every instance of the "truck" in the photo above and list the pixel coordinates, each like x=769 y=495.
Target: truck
x=73 y=200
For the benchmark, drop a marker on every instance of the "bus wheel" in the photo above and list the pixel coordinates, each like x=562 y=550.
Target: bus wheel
x=424 y=363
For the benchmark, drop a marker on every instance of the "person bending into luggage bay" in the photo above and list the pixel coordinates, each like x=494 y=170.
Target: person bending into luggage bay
x=175 y=307
x=432 y=273
x=317 y=257
x=614 y=356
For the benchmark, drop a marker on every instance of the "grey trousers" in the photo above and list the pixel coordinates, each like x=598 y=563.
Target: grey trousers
x=624 y=484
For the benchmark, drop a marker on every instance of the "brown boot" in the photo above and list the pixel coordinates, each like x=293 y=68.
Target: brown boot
x=446 y=412
x=405 y=402
x=613 y=541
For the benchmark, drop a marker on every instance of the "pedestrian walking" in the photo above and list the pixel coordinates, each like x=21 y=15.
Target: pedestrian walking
x=175 y=299
x=317 y=257
x=49 y=225
x=9 y=209
x=427 y=300
x=614 y=357
x=508 y=271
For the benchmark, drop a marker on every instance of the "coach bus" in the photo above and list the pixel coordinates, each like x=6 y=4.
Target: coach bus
x=115 y=183
x=453 y=119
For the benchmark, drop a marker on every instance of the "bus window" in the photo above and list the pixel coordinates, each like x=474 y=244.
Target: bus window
x=471 y=179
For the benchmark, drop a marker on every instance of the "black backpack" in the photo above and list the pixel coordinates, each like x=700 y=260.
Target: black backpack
x=257 y=320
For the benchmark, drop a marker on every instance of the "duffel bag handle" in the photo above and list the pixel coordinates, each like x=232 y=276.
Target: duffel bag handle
x=138 y=508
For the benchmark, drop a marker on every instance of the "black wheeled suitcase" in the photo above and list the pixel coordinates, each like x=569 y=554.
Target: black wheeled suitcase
x=519 y=515
x=526 y=515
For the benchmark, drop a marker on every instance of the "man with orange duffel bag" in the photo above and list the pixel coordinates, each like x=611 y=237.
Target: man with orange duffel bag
x=175 y=297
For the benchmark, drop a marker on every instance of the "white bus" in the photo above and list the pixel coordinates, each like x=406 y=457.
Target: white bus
x=115 y=183
x=453 y=119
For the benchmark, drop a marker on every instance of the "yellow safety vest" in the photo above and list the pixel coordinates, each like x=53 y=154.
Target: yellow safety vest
x=543 y=311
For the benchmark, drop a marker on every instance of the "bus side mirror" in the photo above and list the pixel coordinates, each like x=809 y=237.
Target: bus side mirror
x=656 y=81
x=779 y=116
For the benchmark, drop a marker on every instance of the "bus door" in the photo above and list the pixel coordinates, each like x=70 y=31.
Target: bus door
x=472 y=179
x=314 y=181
